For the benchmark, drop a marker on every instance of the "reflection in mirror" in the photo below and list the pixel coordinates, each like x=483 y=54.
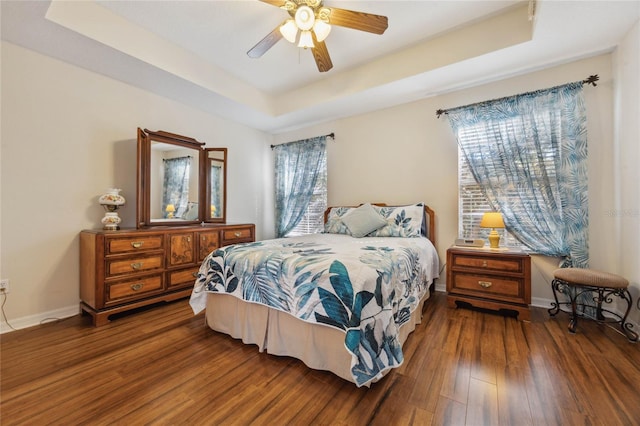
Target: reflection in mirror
x=216 y=165
x=174 y=186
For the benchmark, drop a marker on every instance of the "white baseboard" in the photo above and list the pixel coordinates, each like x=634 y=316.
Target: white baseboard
x=539 y=302
x=31 y=320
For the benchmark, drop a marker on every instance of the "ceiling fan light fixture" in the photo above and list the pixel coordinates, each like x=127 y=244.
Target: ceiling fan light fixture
x=305 y=18
x=306 y=40
x=322 y=29
x=289 y=30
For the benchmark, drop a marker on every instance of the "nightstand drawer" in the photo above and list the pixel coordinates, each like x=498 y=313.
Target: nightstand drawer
x=503 y=265
x=488 y=285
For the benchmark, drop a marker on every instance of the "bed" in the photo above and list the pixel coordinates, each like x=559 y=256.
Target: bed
x=343 y=301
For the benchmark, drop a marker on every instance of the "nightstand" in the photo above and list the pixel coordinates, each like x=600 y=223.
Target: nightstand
x=490 y=279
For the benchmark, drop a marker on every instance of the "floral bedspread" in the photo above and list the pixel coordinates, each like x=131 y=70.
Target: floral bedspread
x=366 y=287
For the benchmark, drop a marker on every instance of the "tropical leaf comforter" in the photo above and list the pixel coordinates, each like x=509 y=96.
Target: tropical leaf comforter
x=366 y=287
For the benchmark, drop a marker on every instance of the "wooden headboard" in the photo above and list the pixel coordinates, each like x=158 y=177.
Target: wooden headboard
x=430 y=217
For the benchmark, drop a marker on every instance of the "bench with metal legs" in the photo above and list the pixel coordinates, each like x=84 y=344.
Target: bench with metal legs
x=588 y=293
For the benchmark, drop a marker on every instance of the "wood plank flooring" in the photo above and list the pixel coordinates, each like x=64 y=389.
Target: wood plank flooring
x=164 y=366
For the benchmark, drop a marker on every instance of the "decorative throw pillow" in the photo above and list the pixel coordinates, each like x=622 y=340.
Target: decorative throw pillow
x=363 y=220
x=334 y=223
x=401 y=221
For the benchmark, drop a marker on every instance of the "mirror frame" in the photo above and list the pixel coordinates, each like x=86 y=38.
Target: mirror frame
x=143 y=179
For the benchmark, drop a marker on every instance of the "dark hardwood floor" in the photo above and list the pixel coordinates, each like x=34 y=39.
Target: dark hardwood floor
x=163 y=366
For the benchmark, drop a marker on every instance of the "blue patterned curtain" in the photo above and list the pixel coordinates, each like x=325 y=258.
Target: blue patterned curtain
x=176 y=184
x=529 y=154
x=296 y=166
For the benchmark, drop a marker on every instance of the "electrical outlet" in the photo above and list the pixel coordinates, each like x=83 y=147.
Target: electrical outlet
x=4 y=286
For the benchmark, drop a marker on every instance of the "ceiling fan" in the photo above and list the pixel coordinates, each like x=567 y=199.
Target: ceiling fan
x=310 y=24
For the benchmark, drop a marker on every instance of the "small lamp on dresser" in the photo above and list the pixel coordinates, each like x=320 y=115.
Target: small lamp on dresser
x=493 y=220
x=111 y=201
x=170 y=209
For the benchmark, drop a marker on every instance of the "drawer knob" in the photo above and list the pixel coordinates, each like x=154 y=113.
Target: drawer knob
x=484 y=284
x=237 y=234
x=137 y=286
x=484 y=263
x=136 y=266
x=137 y=244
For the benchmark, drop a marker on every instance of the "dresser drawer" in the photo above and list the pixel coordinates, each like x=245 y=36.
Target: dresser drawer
x=485 y=285
x=503 y=265
x=181 y=249
x=134 y=288
x=236 y=235
x=207 y=242
x=134 y=265
x=132 y=245
x=183 y=277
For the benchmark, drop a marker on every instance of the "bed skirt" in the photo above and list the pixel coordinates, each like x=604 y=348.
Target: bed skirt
x=320 y=347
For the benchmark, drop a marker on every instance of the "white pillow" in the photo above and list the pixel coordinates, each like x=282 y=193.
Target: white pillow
x=363 y=220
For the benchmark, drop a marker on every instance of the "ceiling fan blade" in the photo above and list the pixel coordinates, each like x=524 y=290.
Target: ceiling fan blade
x=321 y=54
x=265 y=44
x=276 y=3
x=376 y=24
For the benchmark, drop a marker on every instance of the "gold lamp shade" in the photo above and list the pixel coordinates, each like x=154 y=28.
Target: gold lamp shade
x=493 y=220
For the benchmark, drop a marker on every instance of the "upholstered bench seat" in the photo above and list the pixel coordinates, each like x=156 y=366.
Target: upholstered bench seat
x=590 y=277
x=585 y=291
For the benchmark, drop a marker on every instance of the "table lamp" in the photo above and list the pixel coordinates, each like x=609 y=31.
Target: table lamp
x=170 y=209
x=492 y=220
x=111 y=201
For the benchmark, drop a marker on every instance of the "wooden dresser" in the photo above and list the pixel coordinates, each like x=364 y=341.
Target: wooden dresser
x=497 y=280
x=126 y=269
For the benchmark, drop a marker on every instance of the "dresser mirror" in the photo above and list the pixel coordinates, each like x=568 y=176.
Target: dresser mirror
x=179 y=181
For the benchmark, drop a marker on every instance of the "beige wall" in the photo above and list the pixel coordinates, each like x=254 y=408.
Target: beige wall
x=405 y=154
x=625 y=213
x=67 y=135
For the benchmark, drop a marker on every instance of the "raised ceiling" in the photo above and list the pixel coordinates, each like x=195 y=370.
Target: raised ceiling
x=195 y=51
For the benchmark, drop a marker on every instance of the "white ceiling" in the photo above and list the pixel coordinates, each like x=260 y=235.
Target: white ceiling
x=195 y=51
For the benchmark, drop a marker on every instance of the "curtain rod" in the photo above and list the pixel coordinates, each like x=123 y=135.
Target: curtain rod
x=174 y=158
x=589 y=80
x=330 y=135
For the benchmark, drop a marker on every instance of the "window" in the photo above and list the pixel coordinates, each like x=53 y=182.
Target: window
x=301 y=186
x=472 y=205
x=313 y=220
x=528 y=153
x=538 y=161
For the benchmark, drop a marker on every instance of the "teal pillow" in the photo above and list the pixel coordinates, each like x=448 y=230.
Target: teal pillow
x=363 y=220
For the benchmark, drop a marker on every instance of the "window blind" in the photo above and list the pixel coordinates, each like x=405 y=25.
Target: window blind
x=313 y=220
x=535 y=163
